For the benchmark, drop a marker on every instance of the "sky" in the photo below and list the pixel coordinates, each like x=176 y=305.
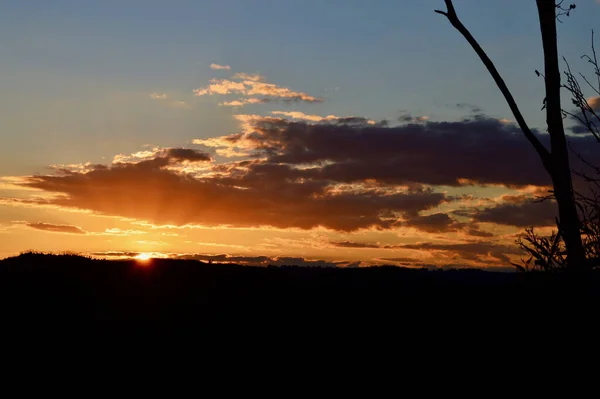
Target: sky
x=326 y=132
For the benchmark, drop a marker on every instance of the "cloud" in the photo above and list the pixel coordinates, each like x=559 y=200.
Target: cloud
x=185 y=154
x=578 y=117
x=221 y=86
x=405 y=260
x=158 y=157
x=179 y=104
x=407 y=117
x=253 y=85
x=436 y=223
x=475 y=251
x=474 y=109
x=174 y=104
x=342 y=174
x=120 y=232
x=524 y=214
x=217 y=66
x=351 y=244
x=56 y=228
x=479 y=251
x=114 y=254
x=245 y=76
x=241 y=194
x=473 y=151
x=244 y=101
x=303 y=116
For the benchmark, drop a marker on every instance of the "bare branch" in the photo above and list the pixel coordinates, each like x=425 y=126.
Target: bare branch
x=563 y=10
x=543 y=153
x=594 y=61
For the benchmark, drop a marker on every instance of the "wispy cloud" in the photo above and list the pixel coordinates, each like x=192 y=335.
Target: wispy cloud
x=217 y=66
x=179 y=104
x=255 y=77
x=244 y=101
x=119 y=232
x=306 y=117
x=482 y=252
x=163 y=97
x=54 y=228
x=159 y=156
x=253 y=85
x=408 y=117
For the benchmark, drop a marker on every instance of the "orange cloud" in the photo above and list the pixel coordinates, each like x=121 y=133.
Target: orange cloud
x=303 y=116
x=245 y=76
x=231 y=195
x=253 y=85
x=120 y=232
x=244 y=101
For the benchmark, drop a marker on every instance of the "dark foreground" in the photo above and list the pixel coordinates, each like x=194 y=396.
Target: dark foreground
x=51 y=292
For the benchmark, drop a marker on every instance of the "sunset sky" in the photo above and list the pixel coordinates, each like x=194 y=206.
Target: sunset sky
x=286 y=132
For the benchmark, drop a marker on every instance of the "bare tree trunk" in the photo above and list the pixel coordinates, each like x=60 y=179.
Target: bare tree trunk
x=569 y=223
x=555 y=161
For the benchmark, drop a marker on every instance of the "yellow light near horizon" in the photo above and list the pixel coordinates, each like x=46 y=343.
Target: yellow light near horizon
x=143 y=257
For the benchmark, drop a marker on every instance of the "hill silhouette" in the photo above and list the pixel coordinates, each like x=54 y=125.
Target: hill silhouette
x=41 y=291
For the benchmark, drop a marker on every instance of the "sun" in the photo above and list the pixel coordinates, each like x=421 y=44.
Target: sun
x=143 y=257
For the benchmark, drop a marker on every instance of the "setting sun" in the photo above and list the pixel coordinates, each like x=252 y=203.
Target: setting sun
x=143 y=257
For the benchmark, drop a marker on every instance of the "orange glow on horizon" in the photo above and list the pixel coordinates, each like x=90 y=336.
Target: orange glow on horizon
x=144 y=258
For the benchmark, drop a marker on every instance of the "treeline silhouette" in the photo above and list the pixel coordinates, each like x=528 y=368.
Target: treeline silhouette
x=46 y=292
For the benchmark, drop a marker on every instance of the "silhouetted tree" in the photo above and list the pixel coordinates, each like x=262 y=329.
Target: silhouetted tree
x=555 y=161
x=548 y=253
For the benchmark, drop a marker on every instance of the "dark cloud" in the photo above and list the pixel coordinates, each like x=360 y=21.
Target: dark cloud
x=474 y=231
x=438 y=222
x=160 y=159
x=404 y=260
x=470 y=251
x=525 y=214
x=479 y=151
x=470 y=107
x=56 y=228
x=578 y=115
x=350 y=244
x=406 y=117
x=444 y=223
x=187 y=154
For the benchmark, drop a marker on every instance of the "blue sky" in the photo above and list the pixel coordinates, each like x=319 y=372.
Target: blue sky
x=75 y=74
